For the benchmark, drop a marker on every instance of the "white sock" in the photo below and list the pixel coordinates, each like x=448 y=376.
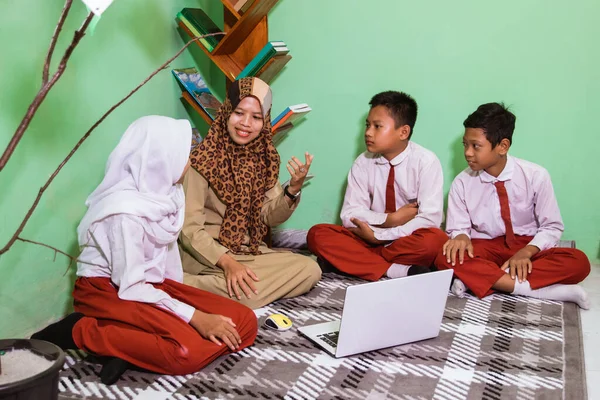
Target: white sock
x=572 y=293
x=397 y=271
x=458 y=288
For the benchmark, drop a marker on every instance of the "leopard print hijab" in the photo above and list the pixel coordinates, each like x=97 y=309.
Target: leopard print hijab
x=240 y=175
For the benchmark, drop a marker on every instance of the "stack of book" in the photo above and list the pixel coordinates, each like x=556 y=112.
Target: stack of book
x=241 y=6
x=197 y=94
x=276 y=50
x=199 y=24
x=286 y=119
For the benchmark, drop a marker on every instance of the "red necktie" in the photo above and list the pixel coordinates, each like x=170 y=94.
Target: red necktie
x=390 y=194
x=505 y=213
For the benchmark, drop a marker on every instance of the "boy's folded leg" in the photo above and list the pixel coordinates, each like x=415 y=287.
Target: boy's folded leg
x=401 y=270
x=397 y=271
x=559 y=292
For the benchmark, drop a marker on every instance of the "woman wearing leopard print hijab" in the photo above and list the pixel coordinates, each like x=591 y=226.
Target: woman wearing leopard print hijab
x=233 y=195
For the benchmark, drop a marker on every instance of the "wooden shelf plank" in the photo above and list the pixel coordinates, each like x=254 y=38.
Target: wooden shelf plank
x=231 y=9
x=282 y=129
x=273 y=67
x=240 y=31
x=225 y=63
x=252 y=45
x=188 y=98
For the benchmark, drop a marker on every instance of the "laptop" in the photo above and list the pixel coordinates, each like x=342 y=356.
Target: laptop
x=386 y=313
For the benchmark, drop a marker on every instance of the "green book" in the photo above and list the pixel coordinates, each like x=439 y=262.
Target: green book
x=209 y=46
x=203 y=23
x=270 y=50
x=213 y=40
x=275 y=51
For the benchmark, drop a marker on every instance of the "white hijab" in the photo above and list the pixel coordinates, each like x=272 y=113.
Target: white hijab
x=140 y=178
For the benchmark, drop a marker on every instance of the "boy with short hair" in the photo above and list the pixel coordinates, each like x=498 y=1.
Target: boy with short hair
x=503 y=214
x=393 y=205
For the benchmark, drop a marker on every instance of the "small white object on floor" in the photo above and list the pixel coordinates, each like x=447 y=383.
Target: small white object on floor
x=21 y=364
x=458 y=288
x=397 y=271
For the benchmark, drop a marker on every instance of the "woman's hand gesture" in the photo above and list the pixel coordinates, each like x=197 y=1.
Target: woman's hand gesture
x=298 y=172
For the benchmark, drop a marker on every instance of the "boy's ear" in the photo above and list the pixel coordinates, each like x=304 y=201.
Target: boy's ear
x=404 y=132
x=503 y=146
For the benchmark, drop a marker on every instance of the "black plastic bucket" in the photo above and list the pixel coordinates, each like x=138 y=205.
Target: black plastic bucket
x=42 y=386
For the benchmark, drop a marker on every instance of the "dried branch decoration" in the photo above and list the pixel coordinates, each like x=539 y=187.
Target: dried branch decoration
x=46 y=86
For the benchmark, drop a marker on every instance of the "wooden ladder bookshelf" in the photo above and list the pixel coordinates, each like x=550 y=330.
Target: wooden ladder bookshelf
x=246 y=34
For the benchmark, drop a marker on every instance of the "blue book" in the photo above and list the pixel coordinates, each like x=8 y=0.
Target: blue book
x=193 y=83
x=290 y=114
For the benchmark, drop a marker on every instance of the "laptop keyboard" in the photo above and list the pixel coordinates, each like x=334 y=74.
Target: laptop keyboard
x=330 y=338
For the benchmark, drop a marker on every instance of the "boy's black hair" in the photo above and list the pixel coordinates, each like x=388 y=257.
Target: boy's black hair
x=496 y=121
x=402 y=107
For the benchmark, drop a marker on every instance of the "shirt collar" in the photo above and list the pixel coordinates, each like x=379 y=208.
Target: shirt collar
x=396 y=160
x=505 y=175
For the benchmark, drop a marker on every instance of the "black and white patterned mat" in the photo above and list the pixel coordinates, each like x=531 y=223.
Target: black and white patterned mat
x=502 y=347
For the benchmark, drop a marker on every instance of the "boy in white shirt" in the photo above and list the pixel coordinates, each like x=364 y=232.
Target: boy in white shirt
x=504 y=222
x=393 y=204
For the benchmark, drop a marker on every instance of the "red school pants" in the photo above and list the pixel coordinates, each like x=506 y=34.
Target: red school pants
x=555 y=265
x=148 y=336
x=352 y=255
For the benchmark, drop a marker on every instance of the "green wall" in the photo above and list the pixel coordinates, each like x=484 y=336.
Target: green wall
x=541 y=59
x=132 y=39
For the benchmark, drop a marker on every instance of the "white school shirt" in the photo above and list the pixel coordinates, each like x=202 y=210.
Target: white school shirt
x=474 y=207
x=122 y=251
x=418 y=177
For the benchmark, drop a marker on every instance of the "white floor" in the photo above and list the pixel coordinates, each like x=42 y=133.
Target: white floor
x=590 y=322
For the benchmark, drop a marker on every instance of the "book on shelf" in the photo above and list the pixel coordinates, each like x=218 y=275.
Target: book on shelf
x=290 y=115
x=192 y=82
x=202 y=21
x=273 y=67
x=282 y=130
x=281 y=133
x=241 y=5
x=200 y=24
x=195 y=33
x=271 y=49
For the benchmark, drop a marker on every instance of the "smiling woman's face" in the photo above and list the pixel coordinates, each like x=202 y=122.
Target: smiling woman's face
x=246 y=121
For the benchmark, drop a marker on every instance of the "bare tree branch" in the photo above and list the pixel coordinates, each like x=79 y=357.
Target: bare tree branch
x=73 y=259
x=85 y=136
x=41 y=95
x=47 y=246
x=59 y=25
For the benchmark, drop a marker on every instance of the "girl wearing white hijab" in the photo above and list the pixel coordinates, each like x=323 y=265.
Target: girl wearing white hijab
x=130 y=304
